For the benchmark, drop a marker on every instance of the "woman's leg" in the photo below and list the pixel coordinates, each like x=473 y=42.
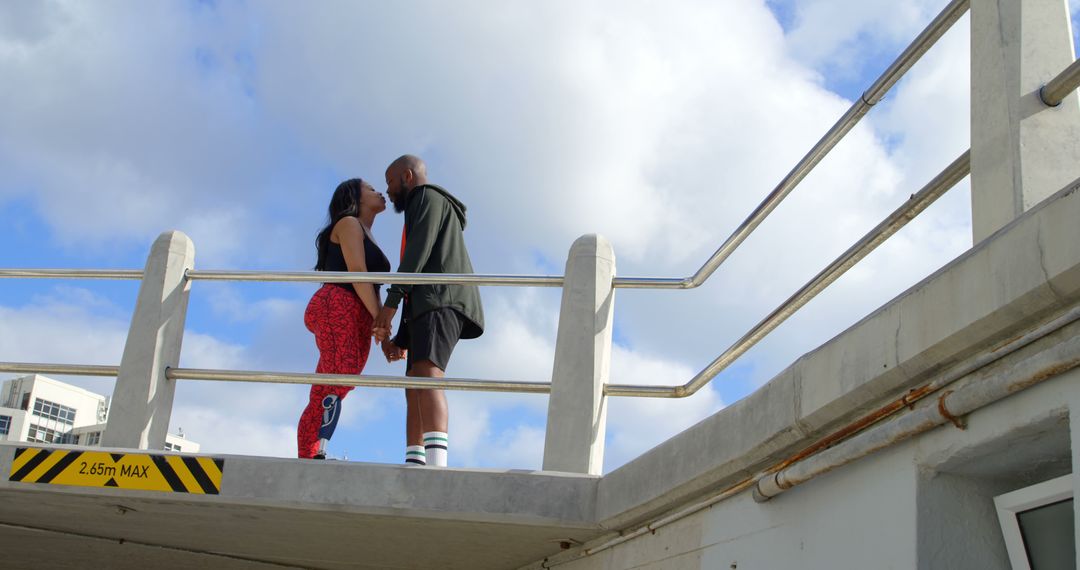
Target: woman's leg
x=342 y=330
x=319 y=419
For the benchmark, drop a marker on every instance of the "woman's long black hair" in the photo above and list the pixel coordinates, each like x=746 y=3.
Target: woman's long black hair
x=345 y=202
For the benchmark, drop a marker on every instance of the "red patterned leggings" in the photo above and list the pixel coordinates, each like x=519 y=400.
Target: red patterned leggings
x=342 y=328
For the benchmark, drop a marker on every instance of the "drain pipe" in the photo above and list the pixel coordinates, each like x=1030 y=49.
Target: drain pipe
x=948 y=407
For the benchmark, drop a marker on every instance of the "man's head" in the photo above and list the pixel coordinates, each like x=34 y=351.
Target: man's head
x=404 y=174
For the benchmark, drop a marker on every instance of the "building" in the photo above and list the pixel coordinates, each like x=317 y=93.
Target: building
x=39 y=409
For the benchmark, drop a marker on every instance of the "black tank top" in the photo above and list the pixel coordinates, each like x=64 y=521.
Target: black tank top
x=376 y=262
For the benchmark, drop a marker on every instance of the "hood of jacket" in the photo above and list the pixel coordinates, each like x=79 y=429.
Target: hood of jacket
x=457 y=205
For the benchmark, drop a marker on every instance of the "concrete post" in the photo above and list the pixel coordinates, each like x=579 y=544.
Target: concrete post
x=142 y=399
x=1021 y=150
x=1074 y=433
x=577 y=408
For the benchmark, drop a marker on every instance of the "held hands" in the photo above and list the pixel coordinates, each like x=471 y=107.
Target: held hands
x=383 y=324
x=392 y=352
x=381 y=331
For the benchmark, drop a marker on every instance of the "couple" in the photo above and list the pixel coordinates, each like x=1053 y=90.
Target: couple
x=344 y=316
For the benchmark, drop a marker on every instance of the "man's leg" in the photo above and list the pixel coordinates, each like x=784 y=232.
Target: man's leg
x=434 y=414
x=414 y=427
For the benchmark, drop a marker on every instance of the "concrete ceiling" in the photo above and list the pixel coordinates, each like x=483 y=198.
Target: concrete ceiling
x=42 y=529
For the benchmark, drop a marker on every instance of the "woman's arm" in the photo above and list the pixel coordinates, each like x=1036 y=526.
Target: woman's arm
x=351 y=236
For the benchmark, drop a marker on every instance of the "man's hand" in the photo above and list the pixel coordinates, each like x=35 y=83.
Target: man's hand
x=382 y=327
x=392 y=352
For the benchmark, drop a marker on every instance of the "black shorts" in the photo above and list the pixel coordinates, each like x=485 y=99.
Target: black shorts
x=432 y=336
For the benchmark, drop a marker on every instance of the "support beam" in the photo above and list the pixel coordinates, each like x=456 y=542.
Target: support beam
x=577 y=409
x=1021 y=150
x=143 y=397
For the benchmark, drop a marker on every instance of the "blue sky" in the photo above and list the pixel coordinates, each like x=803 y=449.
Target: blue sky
x=659 y=128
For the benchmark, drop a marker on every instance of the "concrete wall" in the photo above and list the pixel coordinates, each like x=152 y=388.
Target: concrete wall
x=926 y=503
x=1028 y=270
x=18 y=427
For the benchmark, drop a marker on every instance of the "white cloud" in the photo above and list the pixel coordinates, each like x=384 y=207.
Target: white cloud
x=838 y=37
x=235 y=433
x=59 y=327
x=659 y=128
x=637 y=424
x=75 y=326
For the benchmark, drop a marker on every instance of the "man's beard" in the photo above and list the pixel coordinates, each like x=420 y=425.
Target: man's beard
x=400 y=199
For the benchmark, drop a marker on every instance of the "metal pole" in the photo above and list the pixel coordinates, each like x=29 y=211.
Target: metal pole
x=72 y=273
x=386 y=278
x=465 y=384
x=651 y=283
x=66 y=369
x=1053 y=93
x=898 y=219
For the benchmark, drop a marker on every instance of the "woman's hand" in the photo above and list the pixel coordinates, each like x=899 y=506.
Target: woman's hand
x=391 y=351
x=383 y=326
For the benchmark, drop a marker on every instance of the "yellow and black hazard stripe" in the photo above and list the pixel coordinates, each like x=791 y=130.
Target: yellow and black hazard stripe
x=137 y=471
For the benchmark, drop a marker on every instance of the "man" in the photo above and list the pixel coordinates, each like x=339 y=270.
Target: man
x=434 y=316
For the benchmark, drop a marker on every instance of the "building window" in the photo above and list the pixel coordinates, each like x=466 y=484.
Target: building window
x=171 y=447
x=1038 y=523
x=5 y=424
x=39 y=434
x=93 y=438
x=51 y=411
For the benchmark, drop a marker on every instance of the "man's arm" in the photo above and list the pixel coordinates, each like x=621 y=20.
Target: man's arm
x=424 y=219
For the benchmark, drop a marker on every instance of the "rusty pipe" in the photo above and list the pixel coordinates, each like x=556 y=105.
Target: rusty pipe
x=974 y=393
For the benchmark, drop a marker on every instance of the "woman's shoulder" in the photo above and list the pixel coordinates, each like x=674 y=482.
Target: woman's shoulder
x=348 y=226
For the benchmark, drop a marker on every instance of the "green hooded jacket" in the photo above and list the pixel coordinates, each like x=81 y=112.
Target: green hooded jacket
x=435 y=243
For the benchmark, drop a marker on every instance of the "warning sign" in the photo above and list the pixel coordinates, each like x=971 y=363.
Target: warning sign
x=140 y=471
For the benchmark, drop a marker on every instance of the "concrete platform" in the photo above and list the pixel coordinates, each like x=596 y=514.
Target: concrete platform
x=300 y=514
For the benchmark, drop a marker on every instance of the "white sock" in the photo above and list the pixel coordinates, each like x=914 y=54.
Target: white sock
x=435 y=446
x=414 y=455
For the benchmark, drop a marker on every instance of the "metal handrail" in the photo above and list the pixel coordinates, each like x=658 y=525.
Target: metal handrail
x=898 y=219
x=68 y=369
x=922 y=43
x=371 y=277
x=918 y=202
x=466 y=384
x=73 y=273
x=1054 y=92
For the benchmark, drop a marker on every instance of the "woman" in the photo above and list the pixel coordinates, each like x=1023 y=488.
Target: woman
x=341 y=314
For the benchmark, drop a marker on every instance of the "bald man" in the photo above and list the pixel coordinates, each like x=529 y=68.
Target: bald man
x=434 y=317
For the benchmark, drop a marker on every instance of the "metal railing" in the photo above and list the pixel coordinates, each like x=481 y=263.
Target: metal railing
x=919 y=46
x=1052 y=94
x=918 y=202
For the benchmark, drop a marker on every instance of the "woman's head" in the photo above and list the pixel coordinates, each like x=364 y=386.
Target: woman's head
x=353 y=197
